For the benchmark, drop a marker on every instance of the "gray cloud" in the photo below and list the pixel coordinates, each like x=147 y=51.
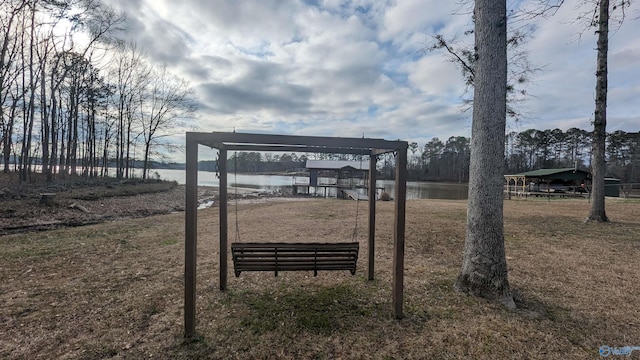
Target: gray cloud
x=232 y=99
x=332 y=67
x=260 y=86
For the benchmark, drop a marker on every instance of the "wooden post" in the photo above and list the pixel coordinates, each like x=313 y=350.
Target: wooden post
x=548 y=190
x=190 y=238
x=222 y=171
x=398 y=236
x=372 y=215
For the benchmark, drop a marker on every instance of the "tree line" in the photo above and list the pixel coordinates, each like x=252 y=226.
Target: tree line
x=529 y=150
x=448 y=161
x=75 y=98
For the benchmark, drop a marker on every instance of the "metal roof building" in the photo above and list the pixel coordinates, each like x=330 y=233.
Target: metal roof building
x=336 y=165
x=563 y=177
x=564 y=174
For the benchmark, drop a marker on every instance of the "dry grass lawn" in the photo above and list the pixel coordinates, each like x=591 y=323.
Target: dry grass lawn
x=115 y=290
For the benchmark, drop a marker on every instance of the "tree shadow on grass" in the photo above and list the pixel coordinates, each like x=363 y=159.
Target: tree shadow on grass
x=553 y=318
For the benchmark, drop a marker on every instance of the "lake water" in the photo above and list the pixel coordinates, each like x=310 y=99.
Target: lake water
x=275 y=183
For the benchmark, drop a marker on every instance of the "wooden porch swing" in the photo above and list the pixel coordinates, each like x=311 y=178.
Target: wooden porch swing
x=282 y=256
x=300 y=256
x=279 y=256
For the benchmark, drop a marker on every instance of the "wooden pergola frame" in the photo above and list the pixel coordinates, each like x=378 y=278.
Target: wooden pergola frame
x=225 y=141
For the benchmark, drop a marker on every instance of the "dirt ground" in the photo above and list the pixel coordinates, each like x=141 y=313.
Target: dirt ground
x=77 y=201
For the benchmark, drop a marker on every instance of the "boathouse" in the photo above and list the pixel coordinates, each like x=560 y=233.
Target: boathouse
x=346 y=177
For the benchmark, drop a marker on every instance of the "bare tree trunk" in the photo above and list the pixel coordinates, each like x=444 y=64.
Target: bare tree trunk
x=128 y=145
x=30 y=111
x=7 y=140
x=105 y=152
x=597 y=212
x=73 y=144
x=145 y=168
x=62 y=135
x=91 y=128
x=484 y=267
x=44 y=118
x=8 y=53
x=69 y=128
x=52 y=133
x=120 y=143
x=57 y=145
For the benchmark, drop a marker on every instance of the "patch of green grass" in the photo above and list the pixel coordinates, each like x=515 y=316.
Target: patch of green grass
x=456 y=216
x=99 y=351
x=318 y=310
x=558 y=314
x=41 y=253
x=513 y=239
x=630 y=201
x=442 y=283
x=321 y=214
x=127 y=244
x=168 y=242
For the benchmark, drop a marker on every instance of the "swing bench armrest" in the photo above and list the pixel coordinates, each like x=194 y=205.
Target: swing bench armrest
x=294 y=257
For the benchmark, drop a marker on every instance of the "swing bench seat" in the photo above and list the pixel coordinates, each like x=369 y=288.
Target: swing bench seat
x=294 y=257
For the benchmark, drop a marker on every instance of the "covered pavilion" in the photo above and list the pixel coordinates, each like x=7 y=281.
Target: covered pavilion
x=563 y=179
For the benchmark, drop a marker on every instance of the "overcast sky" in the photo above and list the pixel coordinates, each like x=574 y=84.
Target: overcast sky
x=348 y=68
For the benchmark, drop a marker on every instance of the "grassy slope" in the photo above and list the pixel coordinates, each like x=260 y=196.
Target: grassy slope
x=116 y=289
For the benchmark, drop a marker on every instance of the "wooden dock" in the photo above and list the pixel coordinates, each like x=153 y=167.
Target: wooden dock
x=528 y=194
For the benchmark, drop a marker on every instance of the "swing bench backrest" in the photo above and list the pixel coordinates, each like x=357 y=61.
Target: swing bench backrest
x=294 y=257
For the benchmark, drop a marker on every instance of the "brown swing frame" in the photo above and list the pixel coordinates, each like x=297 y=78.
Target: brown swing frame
x=225 y=141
